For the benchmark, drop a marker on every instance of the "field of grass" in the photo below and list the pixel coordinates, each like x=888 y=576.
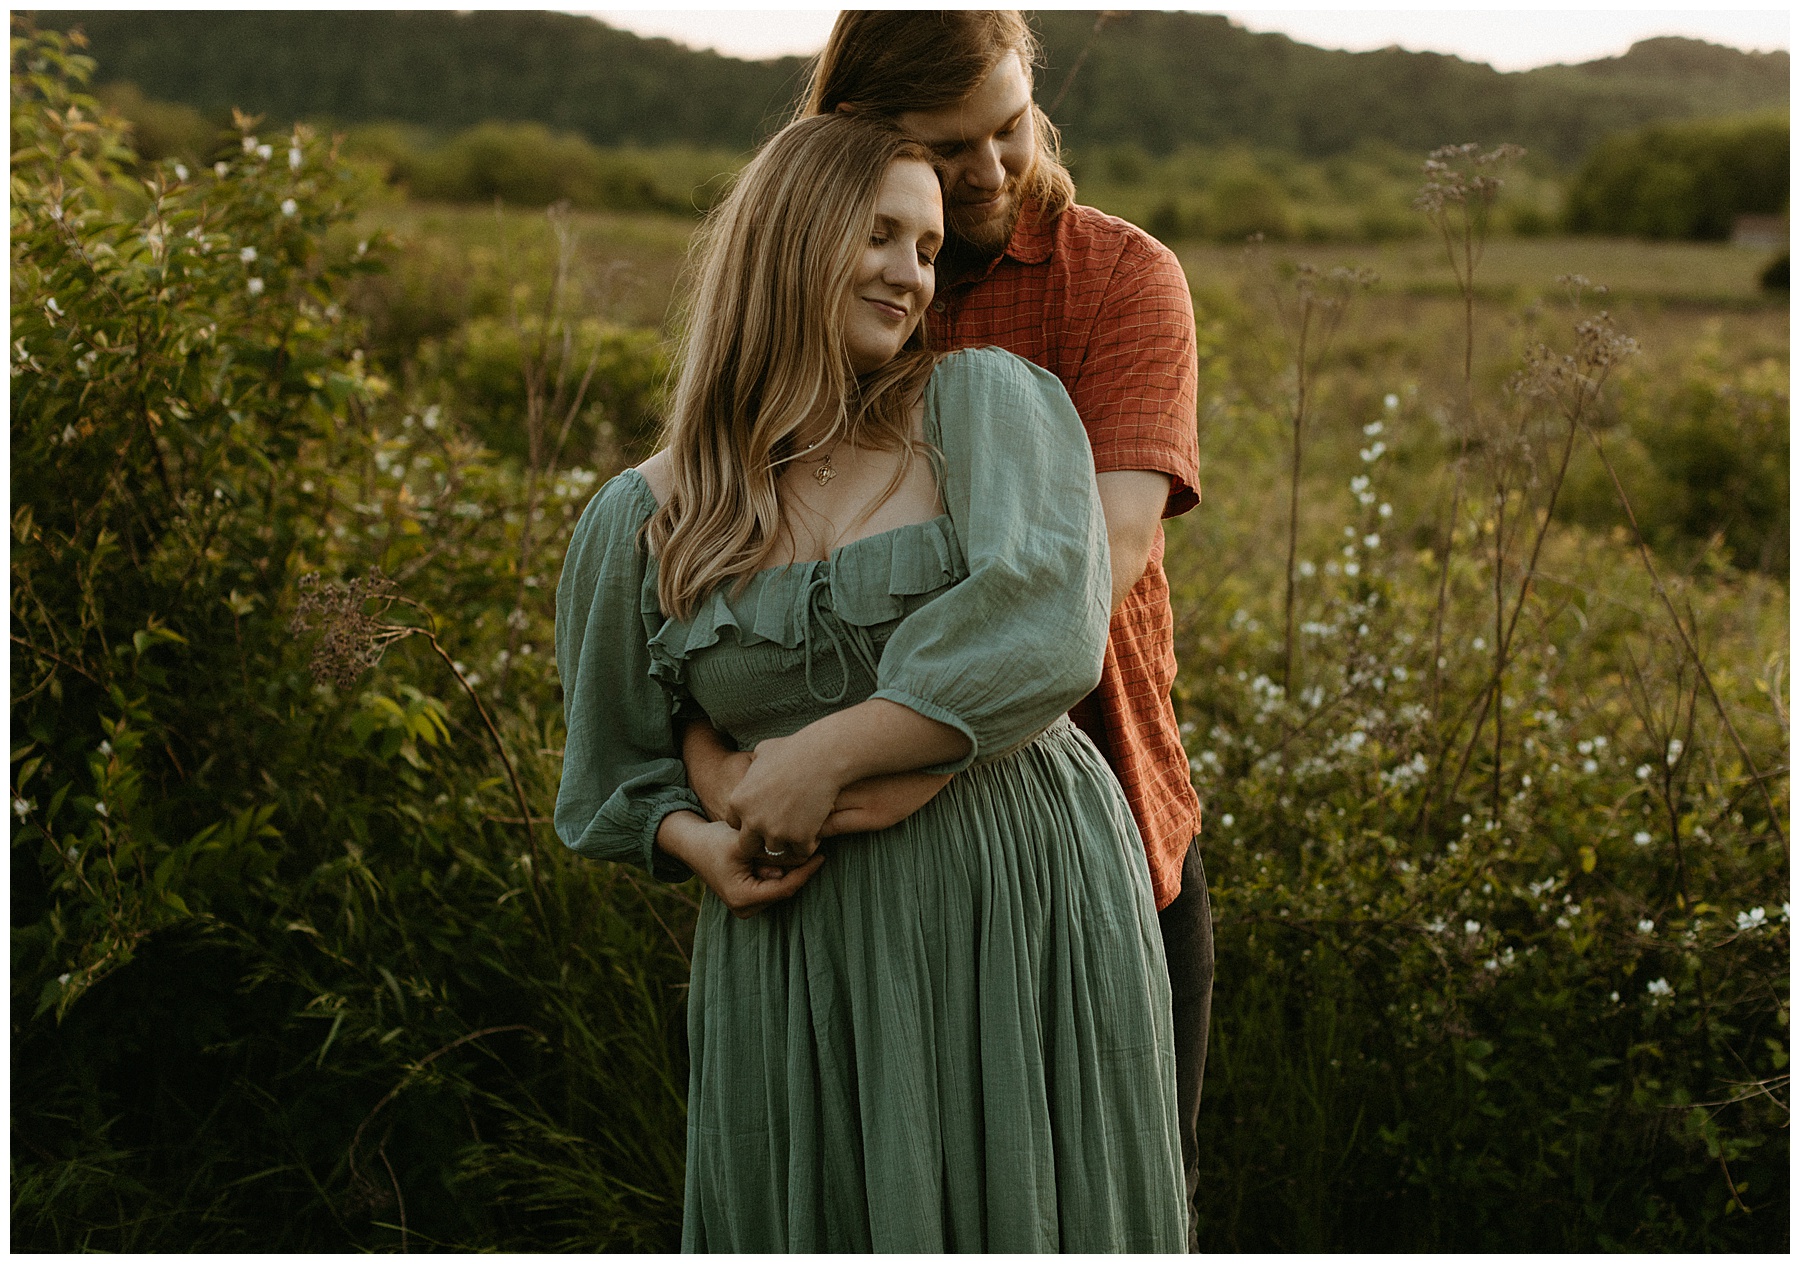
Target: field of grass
x=1326 y=863
x=1483 y=683
x=1699 y=275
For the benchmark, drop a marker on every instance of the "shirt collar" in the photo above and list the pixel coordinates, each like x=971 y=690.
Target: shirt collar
x=1032 y=241
x=1034 y=236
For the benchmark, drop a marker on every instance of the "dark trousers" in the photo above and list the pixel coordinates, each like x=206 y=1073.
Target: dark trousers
x=1188 y=945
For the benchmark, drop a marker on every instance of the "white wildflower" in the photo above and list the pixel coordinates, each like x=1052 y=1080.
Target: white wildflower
x=1479 y=643
x=1228 y=820
x=247 y=254
x=265 y=152
x=249 y=144
x=1659 y=987
x=289 y=206
x=1352 y=569
x=105 y=747
x=221 y=169
x=22 y=807
x=1391 y=402
x=1471 y=927
x=256 y=286
x=1373 y=428
x=1373 y=451
x=1645 y=926
x=1643 y=772
x=295 y=158
x=100 y=808
x=1674 y=750
x=1371 y=541
x=1641 y=838
x=181 y=172
x=1749 y=921
x=1386 y=510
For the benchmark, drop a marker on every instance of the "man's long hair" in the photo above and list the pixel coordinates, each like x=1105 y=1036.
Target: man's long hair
x=886 y=62
x=763 y=356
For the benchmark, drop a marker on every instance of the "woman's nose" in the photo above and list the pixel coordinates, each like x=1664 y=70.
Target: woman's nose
x=904 y=271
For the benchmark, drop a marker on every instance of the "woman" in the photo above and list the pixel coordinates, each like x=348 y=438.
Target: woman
x=859 y=560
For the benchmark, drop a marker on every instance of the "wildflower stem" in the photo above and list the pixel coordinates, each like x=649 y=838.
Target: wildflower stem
x=512 y=772
x=1287 y=644
x=1687 y=642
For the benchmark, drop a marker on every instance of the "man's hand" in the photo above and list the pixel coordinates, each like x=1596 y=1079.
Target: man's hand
x=782 y=801
x=878 y=802
x=718 y=854
x=1133 y=502
x=713 y=769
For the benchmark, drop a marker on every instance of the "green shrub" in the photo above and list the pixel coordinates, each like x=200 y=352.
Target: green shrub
x=1705 y=461
x=290 y=971
x=480 y=371
x=1684 y=181
x=527 y=164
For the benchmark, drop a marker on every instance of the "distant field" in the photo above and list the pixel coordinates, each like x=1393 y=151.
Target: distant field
x=630 y=262
x=1522 y=267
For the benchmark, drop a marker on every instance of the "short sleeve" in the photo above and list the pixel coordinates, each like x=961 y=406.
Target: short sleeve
x=1004 y=652
x=622 y=770
x=1136 y=386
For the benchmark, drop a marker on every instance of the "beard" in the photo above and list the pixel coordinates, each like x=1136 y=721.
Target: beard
x=973 y=239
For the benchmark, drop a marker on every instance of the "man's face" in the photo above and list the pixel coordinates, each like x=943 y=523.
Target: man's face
x=989 y=144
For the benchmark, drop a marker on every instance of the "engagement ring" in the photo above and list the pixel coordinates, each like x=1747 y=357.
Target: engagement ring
x=774 y=855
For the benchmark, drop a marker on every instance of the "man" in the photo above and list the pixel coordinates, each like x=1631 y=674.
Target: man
x=1106 y=308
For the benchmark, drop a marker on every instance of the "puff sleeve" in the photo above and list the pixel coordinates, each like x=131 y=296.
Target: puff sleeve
x=622 y=770
x=1004 y=652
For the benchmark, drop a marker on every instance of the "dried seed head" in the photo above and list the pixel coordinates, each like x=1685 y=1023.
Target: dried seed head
x=351 y=639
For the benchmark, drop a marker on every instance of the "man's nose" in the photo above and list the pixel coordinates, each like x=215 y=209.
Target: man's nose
x=985 y=170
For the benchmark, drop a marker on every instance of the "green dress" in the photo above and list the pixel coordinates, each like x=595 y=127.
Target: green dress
x=956 y=1037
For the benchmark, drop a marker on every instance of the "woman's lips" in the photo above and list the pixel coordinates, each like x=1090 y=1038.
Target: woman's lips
x=893 y=311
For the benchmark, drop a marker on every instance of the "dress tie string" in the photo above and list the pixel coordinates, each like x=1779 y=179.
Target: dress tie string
x=821 y=614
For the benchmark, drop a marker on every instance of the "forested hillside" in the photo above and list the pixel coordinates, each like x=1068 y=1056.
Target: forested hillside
x=1156 y=80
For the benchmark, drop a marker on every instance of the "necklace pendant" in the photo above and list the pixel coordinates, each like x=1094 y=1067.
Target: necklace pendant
x=824 y=474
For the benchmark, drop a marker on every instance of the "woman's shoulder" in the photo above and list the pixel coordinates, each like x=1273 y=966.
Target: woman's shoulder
x=658 y=474
x=619 y=509
x=991 y=385
x=992 y=368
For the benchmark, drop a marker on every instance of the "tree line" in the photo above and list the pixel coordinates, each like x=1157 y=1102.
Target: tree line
x=1155 y=80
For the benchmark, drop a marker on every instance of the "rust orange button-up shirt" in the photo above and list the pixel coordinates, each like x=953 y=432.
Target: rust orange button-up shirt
x=1105 y=307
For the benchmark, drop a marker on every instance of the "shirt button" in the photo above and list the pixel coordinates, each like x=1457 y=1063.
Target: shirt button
x=938 y=306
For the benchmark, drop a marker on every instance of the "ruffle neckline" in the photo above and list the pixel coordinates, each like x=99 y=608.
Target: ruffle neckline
x=868 y=581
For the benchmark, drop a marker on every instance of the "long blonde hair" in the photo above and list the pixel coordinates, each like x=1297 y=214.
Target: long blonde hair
x=763 y=353
x=887 y=62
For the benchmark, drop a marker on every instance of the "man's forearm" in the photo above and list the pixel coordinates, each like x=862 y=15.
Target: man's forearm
x=1132 y=502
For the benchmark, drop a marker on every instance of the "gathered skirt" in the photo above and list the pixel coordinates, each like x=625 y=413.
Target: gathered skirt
x=956 y=1037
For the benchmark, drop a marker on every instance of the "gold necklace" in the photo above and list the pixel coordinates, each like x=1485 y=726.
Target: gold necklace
x=824 y=474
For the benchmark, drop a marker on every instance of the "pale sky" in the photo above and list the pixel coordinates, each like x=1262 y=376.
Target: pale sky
x=1515 y=39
